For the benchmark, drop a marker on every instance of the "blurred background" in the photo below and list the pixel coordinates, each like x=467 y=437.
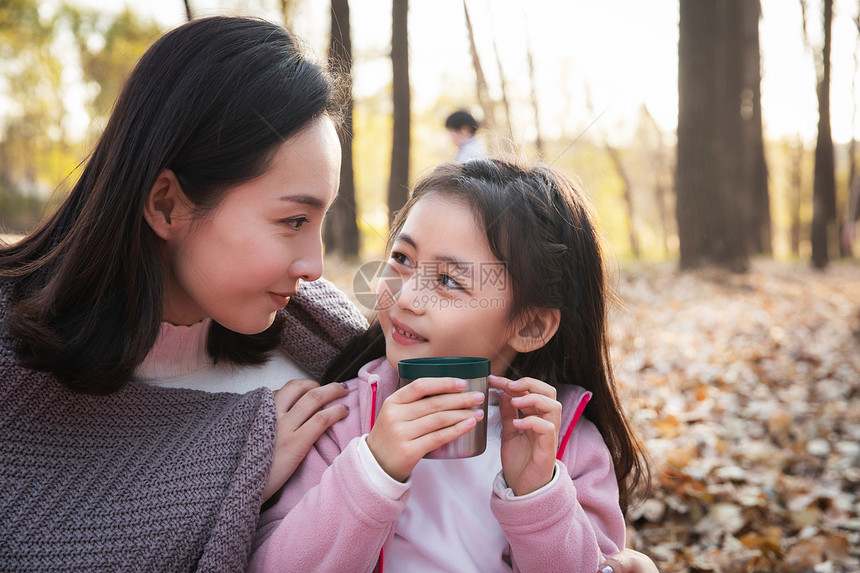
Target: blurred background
x=718 y=142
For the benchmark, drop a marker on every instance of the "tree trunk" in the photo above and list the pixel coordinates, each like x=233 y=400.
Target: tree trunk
x=795 y=200
x=662 y=177
x=288 y=9
x=398 y=183
x=341 y=229
x=755 y=165
x=615 y=156
x=710 y=228
x=487 y=104
x=852 y=209
x=538 y=138
x=505 y=102
x=824 y=182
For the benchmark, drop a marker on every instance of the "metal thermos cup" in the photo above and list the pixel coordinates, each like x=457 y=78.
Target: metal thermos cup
x=474 y=371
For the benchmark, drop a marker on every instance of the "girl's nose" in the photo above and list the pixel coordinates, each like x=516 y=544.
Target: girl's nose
x=410 y=296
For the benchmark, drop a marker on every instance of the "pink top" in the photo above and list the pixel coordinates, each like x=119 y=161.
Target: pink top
x=331 y=515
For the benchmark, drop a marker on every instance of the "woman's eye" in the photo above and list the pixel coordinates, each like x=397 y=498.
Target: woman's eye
x=295 y=223
x=400 y=258
x=448 y=282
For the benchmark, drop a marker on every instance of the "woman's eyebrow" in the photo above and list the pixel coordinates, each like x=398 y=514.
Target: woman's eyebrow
x=406 y=239
x=304 y=200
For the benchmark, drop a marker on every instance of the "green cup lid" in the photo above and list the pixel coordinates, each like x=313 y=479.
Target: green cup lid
x=444 y=366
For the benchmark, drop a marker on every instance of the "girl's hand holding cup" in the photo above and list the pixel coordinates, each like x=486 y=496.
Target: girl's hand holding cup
x=531 y=418
x=420 y=417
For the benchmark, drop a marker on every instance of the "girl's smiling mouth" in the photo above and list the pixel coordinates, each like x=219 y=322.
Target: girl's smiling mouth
x=404 y=335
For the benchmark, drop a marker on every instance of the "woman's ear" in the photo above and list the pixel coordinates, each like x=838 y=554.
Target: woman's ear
x=535 y=329
x=165 y=205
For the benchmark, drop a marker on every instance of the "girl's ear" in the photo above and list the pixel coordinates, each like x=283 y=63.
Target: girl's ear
x=535 y=329
x=165 y=205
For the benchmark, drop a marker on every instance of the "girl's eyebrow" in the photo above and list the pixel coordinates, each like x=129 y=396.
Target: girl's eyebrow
x=459 y=265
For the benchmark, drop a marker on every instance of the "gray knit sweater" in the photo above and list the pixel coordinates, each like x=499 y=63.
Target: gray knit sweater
x=145 y=479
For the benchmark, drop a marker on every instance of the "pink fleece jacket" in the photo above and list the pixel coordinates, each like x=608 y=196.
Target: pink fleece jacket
x=331 y=517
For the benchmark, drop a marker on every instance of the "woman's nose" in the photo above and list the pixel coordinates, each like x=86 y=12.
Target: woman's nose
x=308 y=266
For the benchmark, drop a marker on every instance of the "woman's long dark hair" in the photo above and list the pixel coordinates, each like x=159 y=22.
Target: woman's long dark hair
x=211 y=100
x=543 y=229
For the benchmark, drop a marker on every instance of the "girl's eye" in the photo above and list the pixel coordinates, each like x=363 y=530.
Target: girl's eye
x=448 y=282
x=295 y=223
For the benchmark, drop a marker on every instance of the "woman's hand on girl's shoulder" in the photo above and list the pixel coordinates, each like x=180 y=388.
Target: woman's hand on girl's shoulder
x=531 y=421
x=301 y=421
x=628 y=561
x=418 y=418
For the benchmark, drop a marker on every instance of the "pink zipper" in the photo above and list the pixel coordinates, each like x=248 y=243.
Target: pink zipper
x=576 y=415
x=372 y=421
x=373 y=405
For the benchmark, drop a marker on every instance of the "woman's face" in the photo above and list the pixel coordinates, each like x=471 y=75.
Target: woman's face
x=242 y=261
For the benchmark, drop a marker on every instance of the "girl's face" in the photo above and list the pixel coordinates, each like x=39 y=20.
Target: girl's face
x=443 y=292
x=242 y=261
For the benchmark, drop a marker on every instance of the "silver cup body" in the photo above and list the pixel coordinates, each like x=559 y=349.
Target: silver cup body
x=473 y=442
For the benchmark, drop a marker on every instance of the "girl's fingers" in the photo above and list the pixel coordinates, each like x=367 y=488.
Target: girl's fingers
x=522 y=386
x=398 y=445
x=535 y=424
x=533 y=386
x=537 y=403
x=433 y=395
x=498 y=382
x=423 y=387
x=442 y=436
x=433 y=424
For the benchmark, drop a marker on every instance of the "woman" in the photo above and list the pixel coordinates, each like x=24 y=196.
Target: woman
x=99 y=470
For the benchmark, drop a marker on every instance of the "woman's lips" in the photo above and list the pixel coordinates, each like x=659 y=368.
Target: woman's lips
x=280 y=299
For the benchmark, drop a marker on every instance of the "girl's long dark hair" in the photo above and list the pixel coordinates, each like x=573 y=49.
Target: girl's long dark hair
x=544 y=230
x=211 y=100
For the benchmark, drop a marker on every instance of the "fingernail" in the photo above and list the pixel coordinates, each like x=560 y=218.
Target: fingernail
x=479 y=397
x=460 y=383
x=347 y=407
x=479 y=415
x=606 y=569
x=345 y=385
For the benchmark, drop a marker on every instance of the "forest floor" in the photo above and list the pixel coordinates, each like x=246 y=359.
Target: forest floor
x=745 y=389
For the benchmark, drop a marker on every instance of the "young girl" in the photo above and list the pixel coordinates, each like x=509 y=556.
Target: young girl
x=494 y=260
